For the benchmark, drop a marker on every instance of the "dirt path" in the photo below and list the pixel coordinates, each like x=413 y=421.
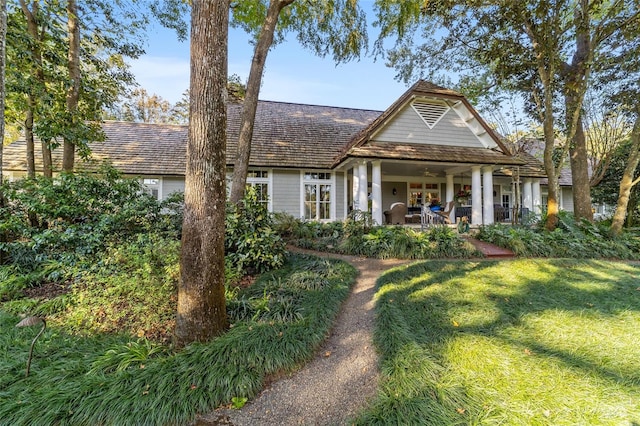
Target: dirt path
x=339 y=381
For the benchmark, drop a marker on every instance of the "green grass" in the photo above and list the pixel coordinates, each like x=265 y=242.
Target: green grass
x=524 y=342
x=109 y=379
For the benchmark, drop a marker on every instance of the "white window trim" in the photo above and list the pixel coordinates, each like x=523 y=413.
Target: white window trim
x=331 y=181
x=268 y=180
x=159 y=186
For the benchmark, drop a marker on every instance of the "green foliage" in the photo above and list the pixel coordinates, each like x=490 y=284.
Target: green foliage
x=581 y=239
x=357 y=236
x=251 y=244
x=336 y=27
x=507 y=342
x=112 y=379
x=75 y=216
x=238 y=402
x=124 y=356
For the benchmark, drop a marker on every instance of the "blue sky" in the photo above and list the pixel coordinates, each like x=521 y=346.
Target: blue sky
x=292 y=74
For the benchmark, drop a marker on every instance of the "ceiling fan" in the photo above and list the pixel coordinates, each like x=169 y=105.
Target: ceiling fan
x=427 y=173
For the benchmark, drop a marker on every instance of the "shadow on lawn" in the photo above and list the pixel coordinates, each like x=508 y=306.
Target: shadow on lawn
x=425 y=304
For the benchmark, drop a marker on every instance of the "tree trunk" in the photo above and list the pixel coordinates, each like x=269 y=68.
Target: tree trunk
x=3 y=45
x=32 y=28
x=243 y=150
x=47 y=163
x=73 y=93
x=201 y=303
x=579 y=160
x=627 y=182
x=28 y=136
x=576 y=76
x=552 y=171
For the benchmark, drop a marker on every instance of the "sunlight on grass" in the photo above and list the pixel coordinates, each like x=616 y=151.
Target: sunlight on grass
x=517 y=342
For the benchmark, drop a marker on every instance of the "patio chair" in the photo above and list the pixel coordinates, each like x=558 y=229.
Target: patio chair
x=446 y=213
x=396 y=213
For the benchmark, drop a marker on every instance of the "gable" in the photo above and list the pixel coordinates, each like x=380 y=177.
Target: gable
x=434 y=122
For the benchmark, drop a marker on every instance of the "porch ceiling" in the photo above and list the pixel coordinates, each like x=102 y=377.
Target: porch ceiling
x=430 y=160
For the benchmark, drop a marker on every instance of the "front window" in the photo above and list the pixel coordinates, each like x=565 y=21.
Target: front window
x=152 y=187
x=317 y=196
x=259 y=179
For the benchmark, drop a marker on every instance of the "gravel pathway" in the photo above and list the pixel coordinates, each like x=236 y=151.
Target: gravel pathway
x=338 y=382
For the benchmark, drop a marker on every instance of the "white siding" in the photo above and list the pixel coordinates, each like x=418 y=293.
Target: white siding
x=286 y=192
x=172 y=184
x=407 y=126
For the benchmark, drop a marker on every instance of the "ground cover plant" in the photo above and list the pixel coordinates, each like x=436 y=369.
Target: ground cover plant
x=112 y=378
x=529 y=341
x=357 y=236
x=578 y=239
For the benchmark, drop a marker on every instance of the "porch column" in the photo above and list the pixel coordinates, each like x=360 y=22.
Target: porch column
x=527 y=196
x=537 y=196
x=476 y=196
x=487 y=195
x=376 y=192
x=449 y=196
x=355 y=190
x=363 y=199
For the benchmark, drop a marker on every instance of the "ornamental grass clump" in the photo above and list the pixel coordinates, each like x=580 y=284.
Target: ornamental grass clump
x=278 y=323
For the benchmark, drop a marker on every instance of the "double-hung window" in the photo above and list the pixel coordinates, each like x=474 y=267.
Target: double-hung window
x=318 y=188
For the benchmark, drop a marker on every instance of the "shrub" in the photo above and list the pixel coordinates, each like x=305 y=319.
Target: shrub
x=251 y=244
x=75 y=216
x=581 y=239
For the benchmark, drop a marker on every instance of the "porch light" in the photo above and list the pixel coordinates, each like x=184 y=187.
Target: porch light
x=28 y=322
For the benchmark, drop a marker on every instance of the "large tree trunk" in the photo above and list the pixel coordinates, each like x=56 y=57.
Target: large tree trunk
x=265 y=40
x=3 y=45
x=627 y=182
x=579 y=160
x=73 y=93
x=201 y=303
x=576 y=77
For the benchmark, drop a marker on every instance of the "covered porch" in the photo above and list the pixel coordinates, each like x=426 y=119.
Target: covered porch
x=483 y=193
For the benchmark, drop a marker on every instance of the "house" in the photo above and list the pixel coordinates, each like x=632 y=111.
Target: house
x=320 y=162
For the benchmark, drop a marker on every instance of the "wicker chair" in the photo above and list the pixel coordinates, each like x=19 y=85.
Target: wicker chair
x=396 y=213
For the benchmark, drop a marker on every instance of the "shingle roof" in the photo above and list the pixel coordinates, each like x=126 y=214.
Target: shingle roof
x=439 y=153
x=285 y=135
x=297 y=136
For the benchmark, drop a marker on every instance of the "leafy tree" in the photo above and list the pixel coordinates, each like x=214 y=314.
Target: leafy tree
x=180 y=110
x=606 y=129
x=618 y=71
x=201 y=303
x=542 y=49
x=325 y=26
x=607 y=190
x=67 y=65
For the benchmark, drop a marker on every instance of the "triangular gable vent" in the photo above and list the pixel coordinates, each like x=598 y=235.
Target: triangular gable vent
x=430 y=111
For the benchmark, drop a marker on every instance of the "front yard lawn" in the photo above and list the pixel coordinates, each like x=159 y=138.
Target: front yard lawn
x=512 y=342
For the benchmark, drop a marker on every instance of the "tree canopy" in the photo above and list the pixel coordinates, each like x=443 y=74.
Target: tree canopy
x=544 y=50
